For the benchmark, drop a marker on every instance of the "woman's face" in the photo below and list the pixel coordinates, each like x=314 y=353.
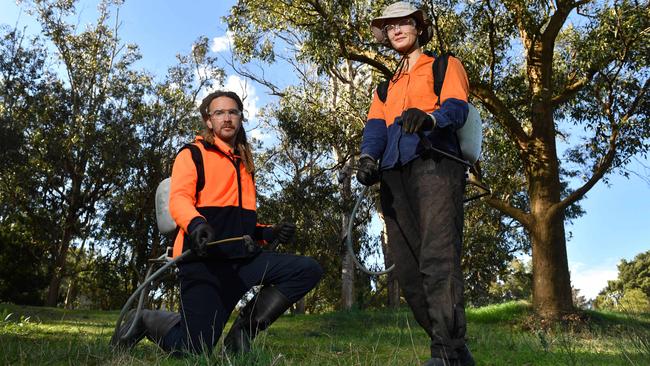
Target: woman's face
x=402 y=33
x=224 y=119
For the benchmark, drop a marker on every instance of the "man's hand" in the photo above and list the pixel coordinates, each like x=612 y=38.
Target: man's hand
x=415 y=120
x=284 y=232
x=200 y=236
x=367 y=171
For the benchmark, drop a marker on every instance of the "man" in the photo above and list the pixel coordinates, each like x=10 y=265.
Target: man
x=212 y=198
x=421 y=192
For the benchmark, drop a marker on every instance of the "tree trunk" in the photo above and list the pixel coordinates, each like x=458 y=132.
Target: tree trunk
x=391 y=278
x=299 y=306
x=551 y=281
x=347 y=281
x=55 y=284
x=347 y=262
x=71 y=295
x=58 y=270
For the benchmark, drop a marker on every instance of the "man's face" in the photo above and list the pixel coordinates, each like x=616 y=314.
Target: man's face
x=401 y=33
x=224 y=119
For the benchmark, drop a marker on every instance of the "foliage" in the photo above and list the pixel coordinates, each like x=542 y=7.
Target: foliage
x=77 y=132
x=167 y=118
x=515 y=284
x=24 y=238
x=91 y=137
x=631 y=290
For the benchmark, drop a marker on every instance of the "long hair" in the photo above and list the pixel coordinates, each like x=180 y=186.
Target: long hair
x=242 y=147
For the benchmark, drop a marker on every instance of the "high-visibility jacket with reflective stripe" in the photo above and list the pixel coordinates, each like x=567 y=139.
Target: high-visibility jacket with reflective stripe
x=384 y=139
x=227 y=200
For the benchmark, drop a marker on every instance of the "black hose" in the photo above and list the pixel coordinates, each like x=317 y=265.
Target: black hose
x=149 y=278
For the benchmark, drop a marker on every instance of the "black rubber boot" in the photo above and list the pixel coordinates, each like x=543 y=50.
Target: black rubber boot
x=258 y=314
x=158 y=323
x=153 y=324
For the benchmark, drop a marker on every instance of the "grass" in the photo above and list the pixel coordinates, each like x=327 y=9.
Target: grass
x=505 y=334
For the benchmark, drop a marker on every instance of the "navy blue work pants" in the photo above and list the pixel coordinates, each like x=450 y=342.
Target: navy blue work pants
x=210 y=289
x=422 y=203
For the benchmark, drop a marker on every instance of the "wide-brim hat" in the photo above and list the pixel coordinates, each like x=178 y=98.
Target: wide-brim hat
x=402 y=9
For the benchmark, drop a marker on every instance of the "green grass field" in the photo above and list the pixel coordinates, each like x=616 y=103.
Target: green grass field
x=505 y=334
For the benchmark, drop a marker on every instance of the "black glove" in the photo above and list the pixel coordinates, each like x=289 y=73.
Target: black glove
x=200 y=235
x=415 y=120
x=284 y=231
x=367 y=171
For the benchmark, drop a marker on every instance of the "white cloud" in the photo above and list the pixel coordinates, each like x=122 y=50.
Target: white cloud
x=591 y=280
x=223 y=43
x=246 y=92
x=258 y=134
x=207 y=72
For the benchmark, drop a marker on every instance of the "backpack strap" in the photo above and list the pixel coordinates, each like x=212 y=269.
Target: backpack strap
x=197 y=157
x=382 y=90
x=439 y=70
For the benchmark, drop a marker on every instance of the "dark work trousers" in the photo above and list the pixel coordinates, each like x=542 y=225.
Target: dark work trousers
x=422 y=203
x=210 y=289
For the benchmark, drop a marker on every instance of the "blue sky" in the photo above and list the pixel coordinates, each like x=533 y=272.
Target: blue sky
x=616 y=225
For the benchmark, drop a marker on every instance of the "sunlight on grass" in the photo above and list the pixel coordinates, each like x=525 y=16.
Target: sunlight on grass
x=497 y=335
x=498 y=313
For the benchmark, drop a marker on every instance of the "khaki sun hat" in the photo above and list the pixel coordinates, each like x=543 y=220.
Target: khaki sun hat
x=402 y=9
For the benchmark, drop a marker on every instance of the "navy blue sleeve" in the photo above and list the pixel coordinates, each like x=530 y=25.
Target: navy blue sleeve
x=374 y=138
x=453 y=112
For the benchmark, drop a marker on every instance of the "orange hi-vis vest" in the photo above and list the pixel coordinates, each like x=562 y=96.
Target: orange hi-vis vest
x=227 y=200
x=384 y=139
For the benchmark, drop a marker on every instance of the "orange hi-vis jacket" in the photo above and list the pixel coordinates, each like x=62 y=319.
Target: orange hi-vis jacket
x=384 y=139
x=227 y=201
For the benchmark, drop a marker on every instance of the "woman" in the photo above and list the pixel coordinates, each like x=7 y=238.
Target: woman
x=212 y=198
x=421 y=192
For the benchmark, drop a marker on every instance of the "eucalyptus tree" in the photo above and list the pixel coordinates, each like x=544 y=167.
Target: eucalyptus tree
x=546 y=70
x=550 y=74
x=24 y=78
x=84 y=136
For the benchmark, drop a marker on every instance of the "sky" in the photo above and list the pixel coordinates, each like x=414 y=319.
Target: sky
x=616 y=225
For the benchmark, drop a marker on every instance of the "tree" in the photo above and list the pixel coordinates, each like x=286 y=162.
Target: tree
x=630 y=291
x=516 y=284
x=79 y=141
x=543 y=70
x=23 y=242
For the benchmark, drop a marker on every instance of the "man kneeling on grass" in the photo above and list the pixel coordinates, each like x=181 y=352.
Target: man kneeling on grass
x=217 y=276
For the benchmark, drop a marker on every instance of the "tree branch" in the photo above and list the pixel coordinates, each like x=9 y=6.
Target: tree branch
x=573 y=89
x=496 y=106
x=517 y=214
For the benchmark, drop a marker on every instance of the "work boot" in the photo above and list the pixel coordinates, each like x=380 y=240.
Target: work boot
x=158 y=324
x=465 y=356
x=258 y=314
x=153 y=324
